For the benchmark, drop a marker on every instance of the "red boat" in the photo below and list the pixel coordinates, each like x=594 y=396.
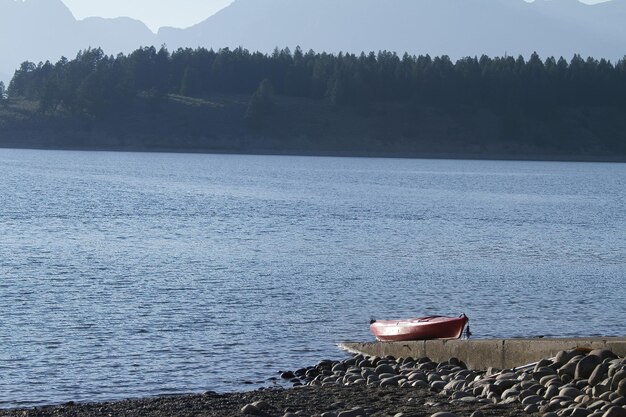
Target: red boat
x=422 y=328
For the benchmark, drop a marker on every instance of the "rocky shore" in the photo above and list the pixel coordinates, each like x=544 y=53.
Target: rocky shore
x=575 y=383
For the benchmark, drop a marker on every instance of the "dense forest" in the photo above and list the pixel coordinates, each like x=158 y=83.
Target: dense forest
x=528 y=99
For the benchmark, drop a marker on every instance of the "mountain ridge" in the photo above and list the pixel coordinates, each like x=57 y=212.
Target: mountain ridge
x=456 y=28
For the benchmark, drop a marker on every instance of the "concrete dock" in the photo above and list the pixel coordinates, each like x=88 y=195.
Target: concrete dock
x=484 y=353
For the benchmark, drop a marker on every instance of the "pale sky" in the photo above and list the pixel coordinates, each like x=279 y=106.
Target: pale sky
x=157 y=13
x=154 y=13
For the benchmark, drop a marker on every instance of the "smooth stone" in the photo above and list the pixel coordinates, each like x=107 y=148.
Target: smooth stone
x=355 y=412
x=580 y=412
x=419 y=384
x=551 y=392
x=532 y=399
x=506 y=383
x=586 y=366
x=261 y=405
x=433 y=377
x=531 y=408
x=444 y=414
x=416 y=375
x=567 y=369
x=392 y=381
x=598 y=374
x=621 y=388
x=460 y=394
x=619 y=401
x=603 y=354
x=477 y=413
x=542 y=363
x=570 y=392
x=328 y=414
x=552 y=406
x=565 y=356
x=385 y=369
x=543 y=372
x=615 y=412
x=437 y=385
x=550 y=414
x=619 y=376
x=596 y=405
x=250 y=410
x=467 y=400
x=511 y=392
x=427 y=366
x=546 y=379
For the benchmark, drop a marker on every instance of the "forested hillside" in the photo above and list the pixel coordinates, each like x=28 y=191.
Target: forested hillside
x=399 y=104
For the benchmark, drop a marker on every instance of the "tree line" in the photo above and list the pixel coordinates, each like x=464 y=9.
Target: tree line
x=97 y=84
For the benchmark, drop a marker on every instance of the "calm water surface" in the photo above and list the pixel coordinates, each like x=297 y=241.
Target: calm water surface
x=129 y=274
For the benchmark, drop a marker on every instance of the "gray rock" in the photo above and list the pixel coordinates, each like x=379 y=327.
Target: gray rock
x=467 y=400
x=615 y=412
x=460 y=394
x=444 y=414
x=531 y=408
x=532 y=399
x=596 y=405
x=580 y=412
x=567 y=369
x=570 y=392
x=586 y=366
x=621 y=401
x=355 y=412
x=419 y=384
x=598 y=374
x=511 y=392
x=477 y=413
x=542 y=372
x=551 y=392
x=565 y=356
x=455 y=385
x=250 y=409
x=617 y=378
x=261 y=405
x=621 y=388
x=437 y=385
x=603 y=354
x=328 y=414
x=433 y=377
x=391 y=381
x=550 y=414
x=385 y=369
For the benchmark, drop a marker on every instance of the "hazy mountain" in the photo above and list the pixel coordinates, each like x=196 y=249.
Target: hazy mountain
x=453 y=27
x=37 y=30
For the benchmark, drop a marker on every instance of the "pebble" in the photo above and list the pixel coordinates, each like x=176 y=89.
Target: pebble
x=575 y=384
x=355 y=412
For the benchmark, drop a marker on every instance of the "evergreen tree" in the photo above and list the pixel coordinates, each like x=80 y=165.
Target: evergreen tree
x=2 y=92
x=260 y=105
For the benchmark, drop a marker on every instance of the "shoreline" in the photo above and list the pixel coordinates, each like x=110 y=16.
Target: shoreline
x=576 y=382
x=338 y=154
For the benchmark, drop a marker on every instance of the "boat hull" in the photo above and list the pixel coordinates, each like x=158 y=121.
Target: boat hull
x=422 y=328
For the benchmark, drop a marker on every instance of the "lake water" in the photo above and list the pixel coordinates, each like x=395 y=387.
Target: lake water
x=134 y=274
